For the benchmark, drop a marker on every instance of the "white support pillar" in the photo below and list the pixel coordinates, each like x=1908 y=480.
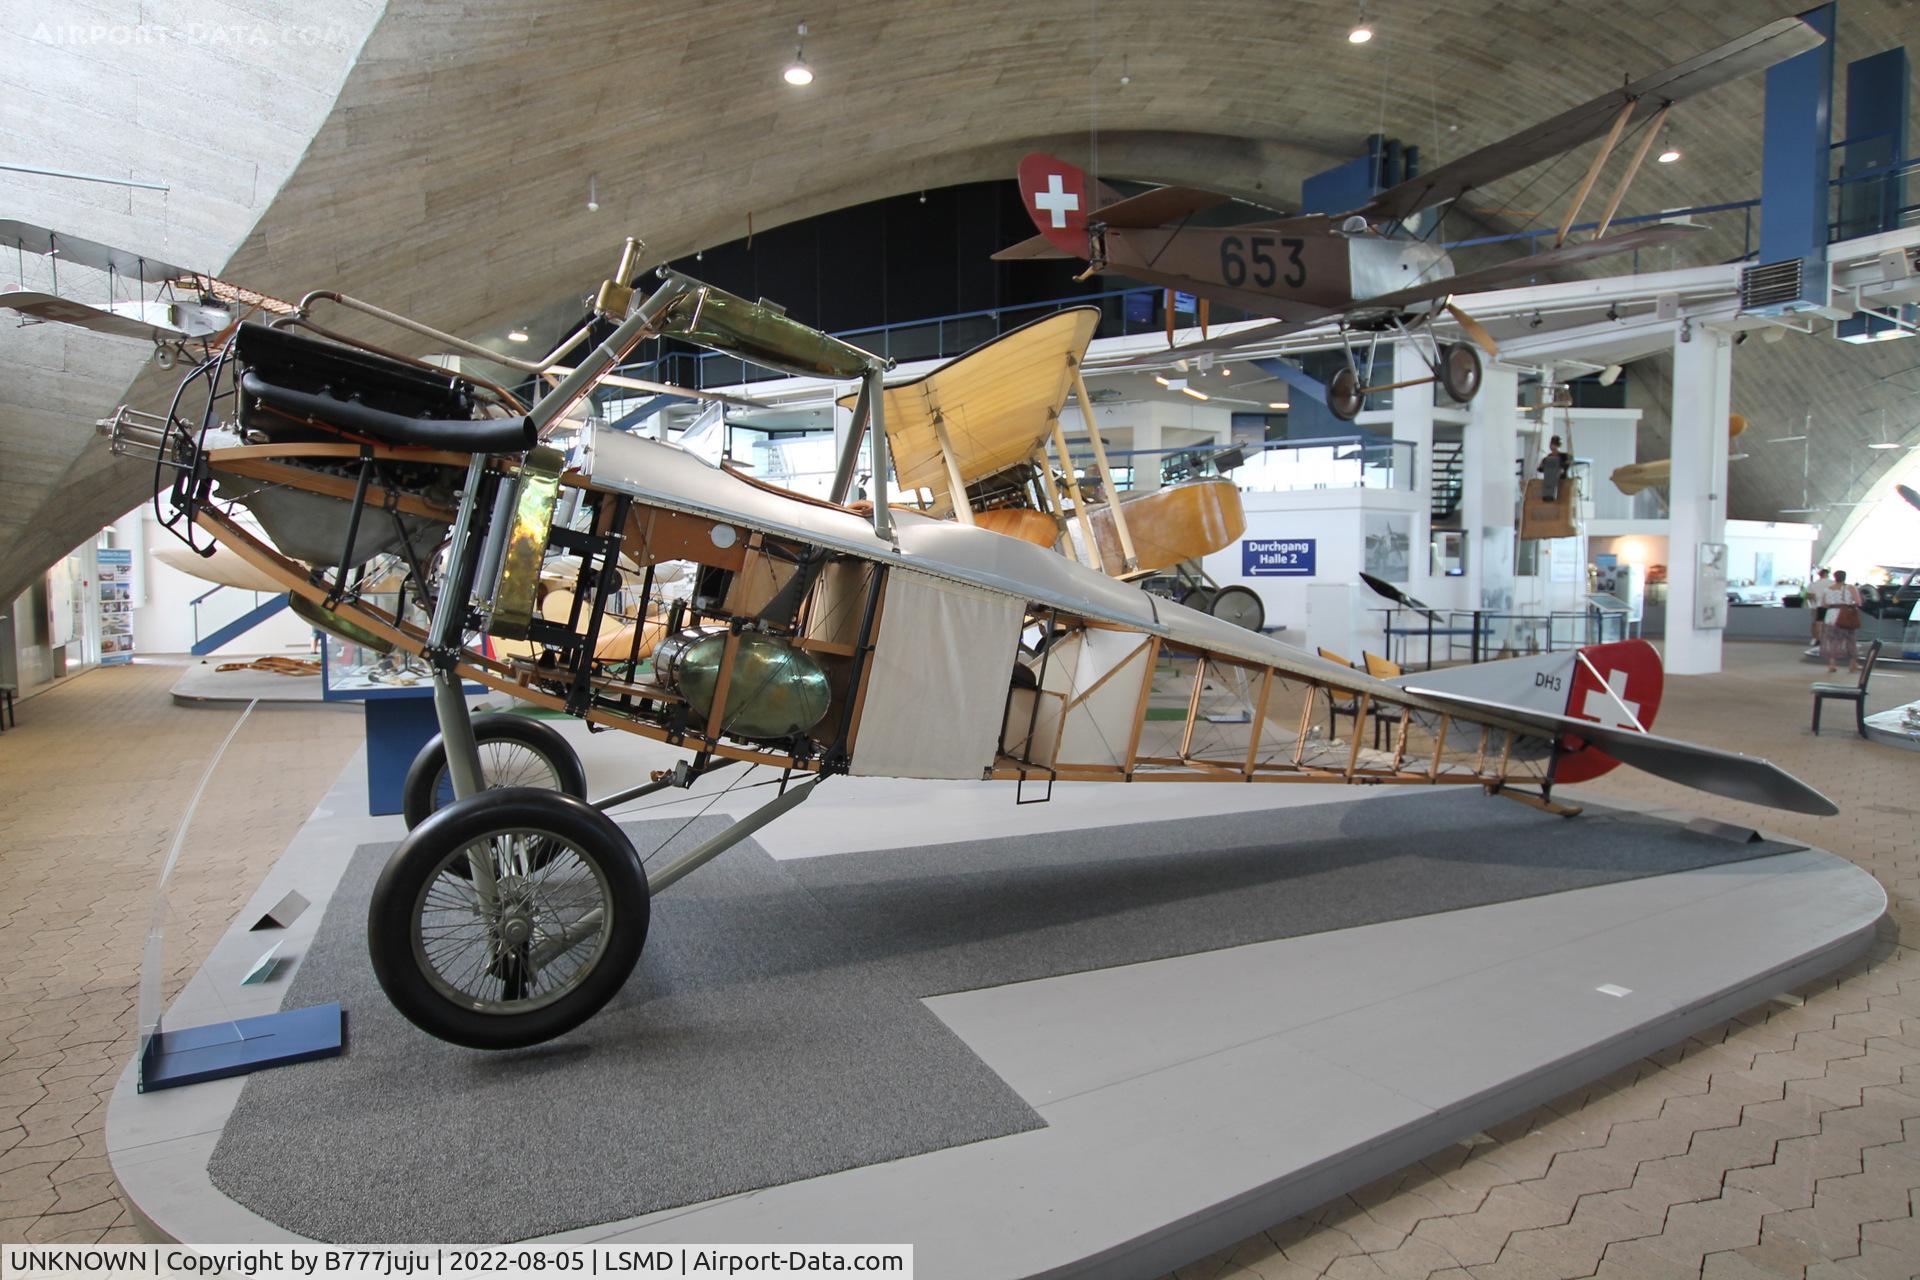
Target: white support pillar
x=1413 y=423
x=1487 y=504
x=1146 y=466
x=1697 y=494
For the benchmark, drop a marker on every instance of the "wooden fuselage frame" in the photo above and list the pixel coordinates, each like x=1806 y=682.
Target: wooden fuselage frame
x=1420 y=743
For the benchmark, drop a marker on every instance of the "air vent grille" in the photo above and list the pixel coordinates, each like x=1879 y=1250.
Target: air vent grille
x=1776 y=284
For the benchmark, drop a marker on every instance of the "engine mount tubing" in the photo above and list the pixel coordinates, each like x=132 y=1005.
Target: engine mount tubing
x=874 y=387
x=608 y=354
x=850 y=453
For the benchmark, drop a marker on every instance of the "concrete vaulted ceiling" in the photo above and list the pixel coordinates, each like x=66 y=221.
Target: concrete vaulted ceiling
x=433 y=157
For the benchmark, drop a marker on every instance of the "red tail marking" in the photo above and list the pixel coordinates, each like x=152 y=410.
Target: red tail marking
x=1055 y=194
x=1634 y=682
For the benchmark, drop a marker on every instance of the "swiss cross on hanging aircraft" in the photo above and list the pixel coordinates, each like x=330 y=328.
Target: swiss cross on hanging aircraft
x=1365 y=269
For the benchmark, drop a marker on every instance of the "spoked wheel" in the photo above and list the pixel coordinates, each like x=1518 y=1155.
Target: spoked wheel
x=515 y=751
x=1241 y=606
x=1345 y=399
x=508 y=918
x=1460 y=371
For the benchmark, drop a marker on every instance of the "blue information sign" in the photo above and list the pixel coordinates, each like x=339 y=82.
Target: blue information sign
x=1276 y=557
x=1184 y=304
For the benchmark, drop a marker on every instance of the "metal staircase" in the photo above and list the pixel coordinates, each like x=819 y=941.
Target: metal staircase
x=1449 y=478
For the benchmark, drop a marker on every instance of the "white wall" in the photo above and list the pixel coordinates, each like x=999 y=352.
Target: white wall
x=1335 y=519
x=1789 y=543
x=163 y=619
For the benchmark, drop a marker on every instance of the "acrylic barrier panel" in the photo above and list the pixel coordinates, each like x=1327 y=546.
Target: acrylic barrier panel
x=153 y=952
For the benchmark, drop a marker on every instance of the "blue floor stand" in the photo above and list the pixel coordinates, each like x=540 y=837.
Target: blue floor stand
x=245 y=1045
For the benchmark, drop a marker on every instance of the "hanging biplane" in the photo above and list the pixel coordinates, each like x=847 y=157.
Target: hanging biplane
x=816 y=640
x=1369 y=270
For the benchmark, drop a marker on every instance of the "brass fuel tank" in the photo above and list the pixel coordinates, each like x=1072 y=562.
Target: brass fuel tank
x=777 y=691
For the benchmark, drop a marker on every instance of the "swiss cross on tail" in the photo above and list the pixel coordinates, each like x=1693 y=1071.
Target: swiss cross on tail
x=1055 y=194
x=1617 y=685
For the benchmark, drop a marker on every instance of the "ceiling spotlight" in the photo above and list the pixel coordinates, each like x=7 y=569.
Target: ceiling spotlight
x=1361 y=33
x=1279 y=404
x=516 y=335
x=1610 y=375
x=1226 y=371
x=1668 y=152
x=593 y=193
x=798 y=72
x=1126 y=77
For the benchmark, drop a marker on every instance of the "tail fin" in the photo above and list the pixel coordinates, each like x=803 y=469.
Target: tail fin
x=1057 y=199
x=1617 y=685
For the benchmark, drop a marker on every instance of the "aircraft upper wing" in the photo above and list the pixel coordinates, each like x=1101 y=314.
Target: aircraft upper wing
x=1721 y=773
x=1752 y=52
x=87 y=253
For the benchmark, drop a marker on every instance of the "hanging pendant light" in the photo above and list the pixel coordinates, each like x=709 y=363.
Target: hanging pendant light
x=798 y=73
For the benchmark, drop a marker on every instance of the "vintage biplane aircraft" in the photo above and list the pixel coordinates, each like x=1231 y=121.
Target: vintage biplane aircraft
x=1368 y=270
x=817 y=640
x=982 y=436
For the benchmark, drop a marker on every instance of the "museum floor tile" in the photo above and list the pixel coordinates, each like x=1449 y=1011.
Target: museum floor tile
x=1785 y=1141
x=93 y=782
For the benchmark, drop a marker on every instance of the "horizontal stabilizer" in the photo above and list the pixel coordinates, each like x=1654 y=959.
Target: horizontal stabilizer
x=1158 y=207
x=1031 y=247
x=1720 y=773
x=1755 y=51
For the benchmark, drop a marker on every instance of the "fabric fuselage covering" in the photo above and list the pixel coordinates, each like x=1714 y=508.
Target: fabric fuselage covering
x=941 y=666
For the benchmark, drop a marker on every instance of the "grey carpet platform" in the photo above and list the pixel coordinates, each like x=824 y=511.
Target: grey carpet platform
x=776 y=1030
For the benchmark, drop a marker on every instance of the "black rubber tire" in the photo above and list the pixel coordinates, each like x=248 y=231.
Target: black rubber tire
x=390 y=915
x=1460 y=371
x=1240 y=603
x=1345 y=399
x=421 y=794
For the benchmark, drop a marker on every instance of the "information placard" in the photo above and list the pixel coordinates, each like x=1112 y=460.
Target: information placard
x=1277 y=557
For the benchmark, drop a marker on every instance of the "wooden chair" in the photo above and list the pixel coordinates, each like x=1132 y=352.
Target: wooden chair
x=1337 y=706
x=1856 y=694
x=1382 y=669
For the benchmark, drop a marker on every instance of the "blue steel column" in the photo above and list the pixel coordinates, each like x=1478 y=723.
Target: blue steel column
x=1795 y=151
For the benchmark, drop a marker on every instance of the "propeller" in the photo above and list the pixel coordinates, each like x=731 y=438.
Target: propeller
x=1476 y=331
x=1395 y=594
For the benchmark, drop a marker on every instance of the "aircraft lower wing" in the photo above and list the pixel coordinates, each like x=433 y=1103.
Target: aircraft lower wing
x=1502 y=273
x=154 y=321
x=1722 y=773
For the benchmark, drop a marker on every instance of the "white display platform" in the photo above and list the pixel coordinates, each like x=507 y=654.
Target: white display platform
x=1897 y=727
x=1189 y=1101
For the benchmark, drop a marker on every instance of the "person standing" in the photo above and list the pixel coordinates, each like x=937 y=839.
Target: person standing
x=1842 y=623
x=1816 y=590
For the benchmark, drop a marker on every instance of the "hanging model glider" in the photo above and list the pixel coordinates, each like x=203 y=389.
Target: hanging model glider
x=817 y=640
x=1366 y=270
x=1654 y=474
